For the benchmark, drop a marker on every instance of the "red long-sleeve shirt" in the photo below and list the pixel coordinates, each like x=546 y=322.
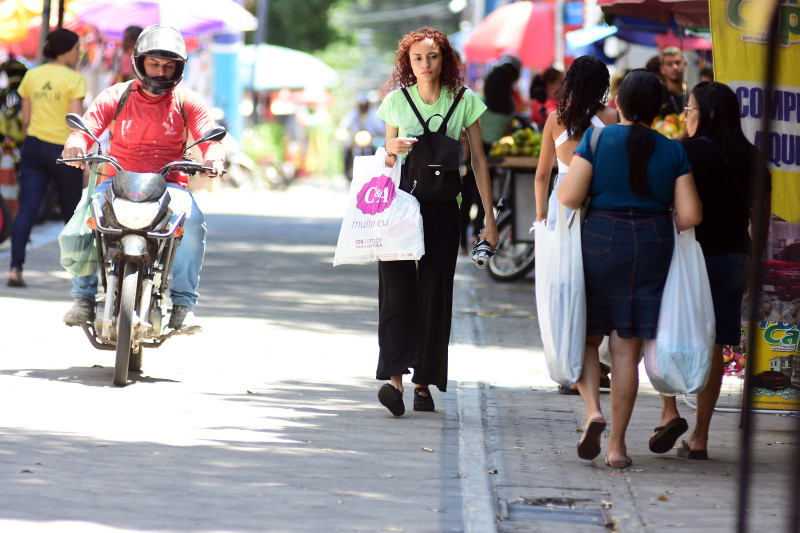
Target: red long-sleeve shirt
x=149 y=130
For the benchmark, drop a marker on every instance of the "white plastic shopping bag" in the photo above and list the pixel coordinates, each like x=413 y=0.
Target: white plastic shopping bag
x=561 y=295
x=381 y=222
x=678 y=360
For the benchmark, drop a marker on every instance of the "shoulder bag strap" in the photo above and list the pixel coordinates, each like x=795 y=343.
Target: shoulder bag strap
x=416 y=111
x=443 y=126
x=180 y=97
x=594 y=138
x=584 y=208
x=120 y=105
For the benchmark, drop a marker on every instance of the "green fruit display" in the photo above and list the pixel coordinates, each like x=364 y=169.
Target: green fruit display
x=523 y=142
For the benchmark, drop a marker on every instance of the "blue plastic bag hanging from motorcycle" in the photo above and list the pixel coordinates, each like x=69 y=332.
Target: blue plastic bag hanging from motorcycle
x=381 y=222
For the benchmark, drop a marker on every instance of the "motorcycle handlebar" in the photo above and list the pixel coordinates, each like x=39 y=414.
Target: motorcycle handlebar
x=188 y=166
x=91 y=158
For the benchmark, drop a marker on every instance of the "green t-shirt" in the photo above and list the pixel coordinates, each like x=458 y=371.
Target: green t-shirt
x=396 y=112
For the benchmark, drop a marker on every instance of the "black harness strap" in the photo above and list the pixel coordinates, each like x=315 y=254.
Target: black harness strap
x=443 y=126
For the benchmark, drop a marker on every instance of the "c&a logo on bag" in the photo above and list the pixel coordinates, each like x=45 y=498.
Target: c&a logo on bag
x=376 y=195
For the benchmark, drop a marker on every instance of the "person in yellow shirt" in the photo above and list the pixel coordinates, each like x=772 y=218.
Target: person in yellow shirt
x=48 y=93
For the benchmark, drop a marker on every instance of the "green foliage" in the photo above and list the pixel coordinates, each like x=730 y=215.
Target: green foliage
x=302 y=25
x=265 y=140
x=357 y=38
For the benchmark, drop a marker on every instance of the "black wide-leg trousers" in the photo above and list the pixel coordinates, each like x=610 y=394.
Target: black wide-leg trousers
x=415 y=302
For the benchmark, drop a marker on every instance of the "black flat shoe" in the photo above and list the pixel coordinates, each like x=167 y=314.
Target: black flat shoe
x=15 y=278
x=421 y=402
x=392 y=399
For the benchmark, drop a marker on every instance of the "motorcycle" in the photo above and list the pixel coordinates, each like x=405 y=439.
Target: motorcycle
x=363 y=143
x=136 y=236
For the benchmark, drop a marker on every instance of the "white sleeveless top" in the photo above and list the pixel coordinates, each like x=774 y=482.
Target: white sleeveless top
x=563 y=167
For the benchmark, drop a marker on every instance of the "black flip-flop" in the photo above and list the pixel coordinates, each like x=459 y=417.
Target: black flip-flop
x=688 y=453
x=589 y=447
x=628 y=462
x=391 y=398
x=666 y=436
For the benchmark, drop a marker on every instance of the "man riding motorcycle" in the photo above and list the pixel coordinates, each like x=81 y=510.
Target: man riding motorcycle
x=149 y=120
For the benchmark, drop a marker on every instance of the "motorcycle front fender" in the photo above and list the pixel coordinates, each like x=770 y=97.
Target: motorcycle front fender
x=134 y=245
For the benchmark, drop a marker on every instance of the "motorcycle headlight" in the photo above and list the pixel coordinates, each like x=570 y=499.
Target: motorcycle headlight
x=135 y=215
x=363 y=138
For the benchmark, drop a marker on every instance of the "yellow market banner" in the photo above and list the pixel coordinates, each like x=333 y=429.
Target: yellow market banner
x=739 y=35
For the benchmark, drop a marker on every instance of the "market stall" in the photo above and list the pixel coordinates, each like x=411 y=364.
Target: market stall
x=513 y=187
x=515 y=183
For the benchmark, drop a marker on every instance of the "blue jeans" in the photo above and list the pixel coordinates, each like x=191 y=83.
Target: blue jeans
x=188 y=257
x=37 y=167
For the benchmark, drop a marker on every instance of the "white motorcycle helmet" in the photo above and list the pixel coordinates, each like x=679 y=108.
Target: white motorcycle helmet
x=164 y=42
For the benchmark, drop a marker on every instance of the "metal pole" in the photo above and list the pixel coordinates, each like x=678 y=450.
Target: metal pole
x=754 y=281
x=262 y=14
x=478 y=11
x=45 y=29
x=61 y=13
x=558 y=61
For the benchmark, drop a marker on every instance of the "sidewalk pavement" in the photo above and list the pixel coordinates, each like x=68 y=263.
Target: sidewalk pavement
x=540 y=483
x=269 y=420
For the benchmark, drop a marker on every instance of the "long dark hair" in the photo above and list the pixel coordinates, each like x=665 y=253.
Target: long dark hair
x=718 y=119
x=580 y=96
x=403 y=75
x=640 y=98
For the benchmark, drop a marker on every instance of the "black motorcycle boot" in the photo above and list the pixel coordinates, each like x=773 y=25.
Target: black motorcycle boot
x=182 y=321
x=82 y=312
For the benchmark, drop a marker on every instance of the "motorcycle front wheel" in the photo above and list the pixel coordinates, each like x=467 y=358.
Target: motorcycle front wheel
x=127 y=303
x=512 y=261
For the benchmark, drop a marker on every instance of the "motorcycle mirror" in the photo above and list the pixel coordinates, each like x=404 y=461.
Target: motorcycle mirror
x=75 y=122
x=216 y=133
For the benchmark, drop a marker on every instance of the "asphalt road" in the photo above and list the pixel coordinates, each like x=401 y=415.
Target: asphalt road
x=267 y=421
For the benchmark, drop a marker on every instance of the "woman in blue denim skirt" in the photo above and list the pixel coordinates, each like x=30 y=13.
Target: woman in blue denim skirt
x=633 y=177
x=722 y=162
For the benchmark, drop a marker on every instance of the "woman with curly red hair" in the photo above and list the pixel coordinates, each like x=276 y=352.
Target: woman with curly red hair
x=416 y=298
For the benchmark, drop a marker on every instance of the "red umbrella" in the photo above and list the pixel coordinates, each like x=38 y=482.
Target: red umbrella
x=687 y=13
x=684 y=43
x=523 y=29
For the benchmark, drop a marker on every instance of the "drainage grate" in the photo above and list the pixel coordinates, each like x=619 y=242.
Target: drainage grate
x=525 y=512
